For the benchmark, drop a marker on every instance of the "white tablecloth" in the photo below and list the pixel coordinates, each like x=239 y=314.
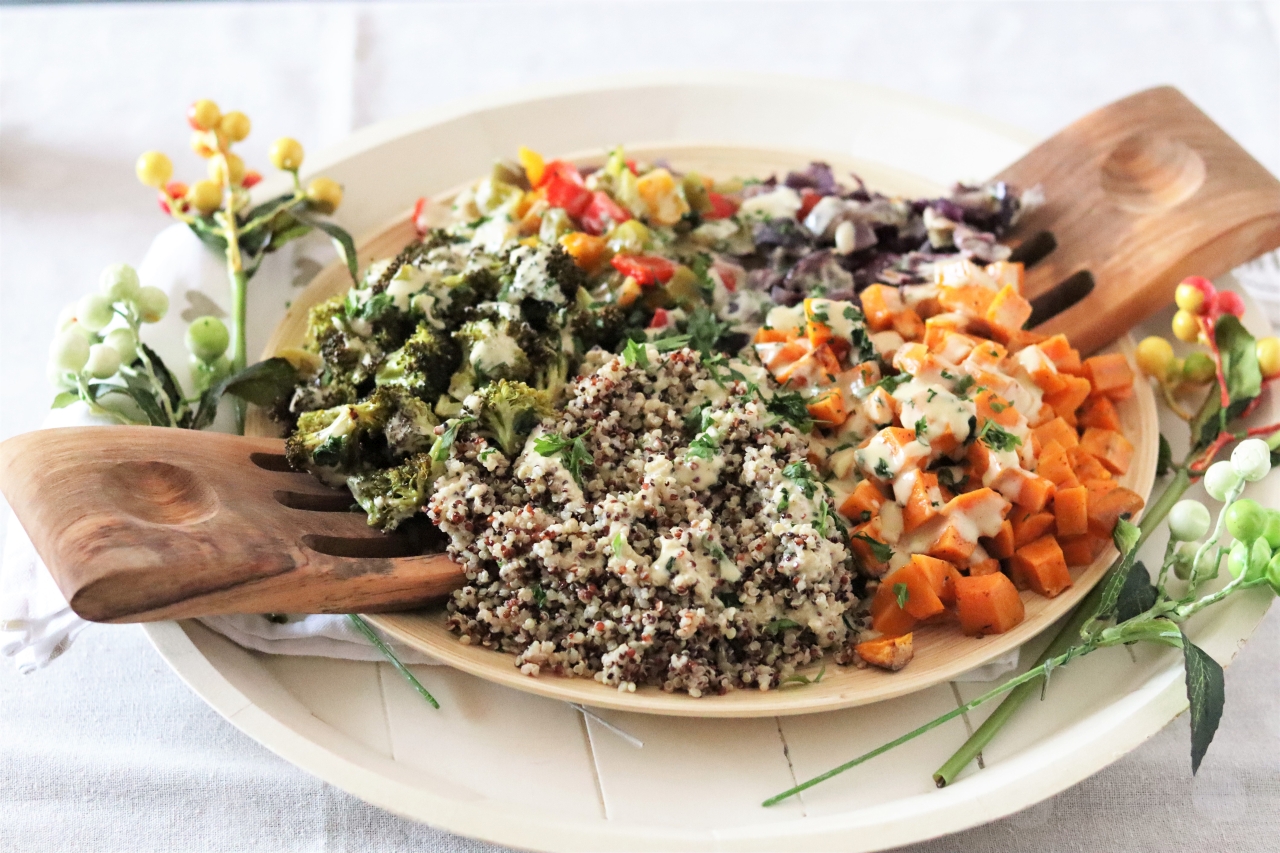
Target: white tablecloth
x=107 y=750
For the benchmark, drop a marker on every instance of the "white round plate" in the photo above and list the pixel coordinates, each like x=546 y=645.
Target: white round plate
x=527 y=771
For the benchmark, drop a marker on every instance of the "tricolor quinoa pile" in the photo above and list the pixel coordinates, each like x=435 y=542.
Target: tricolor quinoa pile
x=673 y=534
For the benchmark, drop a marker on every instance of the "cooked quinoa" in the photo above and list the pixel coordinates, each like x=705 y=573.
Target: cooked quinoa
x=696 y=552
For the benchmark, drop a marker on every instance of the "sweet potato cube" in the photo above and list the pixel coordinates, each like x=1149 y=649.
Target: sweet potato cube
x=1087 y=466
x=1007 y=273
x=988 y=604
x=863 y=502
x=991 y=406
x=1064 y=357
x=891 y=653
x=1110 y=374
x=1054 y=465
x=1041 y=566
x=879 y=303
x=942 y=575
x=970 y=300
x=921 y=599
x=1057 y=430
x=1077 y=550
x=1109 y=447
x=923 y=503
x=1071 y=511
x=1106 y=508
x=1001 y=545
x=829 y=409
x=952 y=546
x=908 y=324
x=865 y=551
x=1029 y=525
x=1009 y=310
x=1099 y=412
x=887 y=617
x=1066 y=401
x=984 y=567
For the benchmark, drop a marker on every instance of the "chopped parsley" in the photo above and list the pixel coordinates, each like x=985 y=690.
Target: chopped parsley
x=539 y=595
x=635 y=353
x=997 y=437
x=997 y=406
x=790 y=407
x=573 y=451
x=778 y=625
x=882 y=551
x=882 y=470
x=963 y=385
x=799 y=678
x=440 y=450
x=901 y=593
x=922 y=427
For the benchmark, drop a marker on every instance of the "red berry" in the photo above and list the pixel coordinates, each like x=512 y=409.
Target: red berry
x=164 y=202
x=420 y=223
x=1203 y=285
x=250 y=179
x=175 y=189
x=1229 y=302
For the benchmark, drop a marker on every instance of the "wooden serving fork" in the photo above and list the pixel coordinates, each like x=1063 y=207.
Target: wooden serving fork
x=139 y=524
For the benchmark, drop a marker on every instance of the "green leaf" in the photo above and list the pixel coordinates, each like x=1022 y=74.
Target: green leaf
x=669 y=343
x=1206 y=693
x=573 y=451
x=880 y=550
x=263 y=383
x=705 y=329
x=997 y=437
x=901 y=593
x=1244 y=381
x=1126 y=538
x=341 y=241
x=635 y=353
x=539 y=595
x=1164 y=459
x=209 y=232
x=1125 y=535
x=167 y=380
x=143 y=394
x=779 y=625
x=66 y=398
x=1138 y=595
x=789 y=406
x=440 y=449
x=800 y=678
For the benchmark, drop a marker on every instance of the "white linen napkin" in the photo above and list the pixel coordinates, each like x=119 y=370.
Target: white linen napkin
x=36 y=624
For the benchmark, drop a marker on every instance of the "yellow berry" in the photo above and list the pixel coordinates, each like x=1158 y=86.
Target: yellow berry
x=234 y=125
x=325 y=194
x=219 y=167
x=207 y=144
x=203 y=115
x=1268 y=350
x=154 y=169
x=205 y=196
x=286 y=154
x=1155 y=356
x=1185 y=326
x=1189 y=298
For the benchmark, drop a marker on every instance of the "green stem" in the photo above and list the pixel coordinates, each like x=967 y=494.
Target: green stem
x=364 y=628
x=1065 y=639
x=239 y=353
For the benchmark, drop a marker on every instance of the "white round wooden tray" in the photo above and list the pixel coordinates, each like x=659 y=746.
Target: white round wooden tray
x=528 y=771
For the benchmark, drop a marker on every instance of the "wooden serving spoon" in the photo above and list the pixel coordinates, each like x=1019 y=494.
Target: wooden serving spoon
x=140 y=524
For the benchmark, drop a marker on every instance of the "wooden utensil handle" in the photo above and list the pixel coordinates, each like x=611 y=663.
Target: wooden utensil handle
x=1141 y=194
x=138 y=524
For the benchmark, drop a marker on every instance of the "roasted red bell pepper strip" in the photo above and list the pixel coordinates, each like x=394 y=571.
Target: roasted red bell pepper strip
x=601 y=214
x=808 y=200
x=647 y=270
x=564 y=188
x=722 y=207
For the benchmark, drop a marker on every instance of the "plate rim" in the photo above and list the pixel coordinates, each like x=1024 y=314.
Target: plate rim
x=1110 y=732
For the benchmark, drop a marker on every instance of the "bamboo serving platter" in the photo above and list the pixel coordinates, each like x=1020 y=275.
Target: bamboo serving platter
x=942 y=652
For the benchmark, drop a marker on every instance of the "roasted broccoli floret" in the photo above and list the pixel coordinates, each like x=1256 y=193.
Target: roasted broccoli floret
x=332 y=443
x=507 y=412
x=391 y=495
x=565 y=272
x=411 y=426
x=604 y=327
x=492 y=349
x=423 y=365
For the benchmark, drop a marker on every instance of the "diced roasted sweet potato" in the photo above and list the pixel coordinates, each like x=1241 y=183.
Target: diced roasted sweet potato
x=921 y=601
x=1055 y=466
x=1029 y=525
x=1041 y=566
x=1064 y=357
x=829 y=409
x=1001 y=545
x=891 y=653
x=1077 y=550
x=887 y=617
x=991 y=406
x=1110 y=374
x=863 y=502
x=988 y=604
x=952 y=546
x=1057 y=430
x=984 y=567
x=879 y=303
x=1071 y=511
x=1099 y=412
x=1110 y=448
x=1106 y=508
x=1066 y=401
x=942 y=575
x=1087 y=466
x=1009 y=310
x=922 y=503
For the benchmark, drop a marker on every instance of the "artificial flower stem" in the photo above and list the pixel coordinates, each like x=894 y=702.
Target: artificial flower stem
x=1065 y=639
x=364 y=628
x=239 y=355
